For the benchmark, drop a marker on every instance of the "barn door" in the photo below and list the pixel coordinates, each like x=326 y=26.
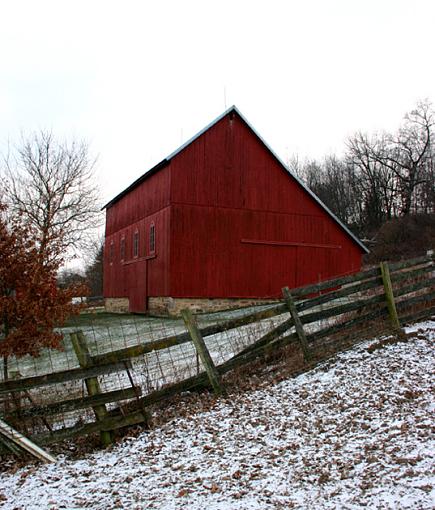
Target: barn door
x=137 y=285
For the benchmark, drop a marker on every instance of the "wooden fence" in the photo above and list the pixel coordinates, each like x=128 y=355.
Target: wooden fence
x=391 y=294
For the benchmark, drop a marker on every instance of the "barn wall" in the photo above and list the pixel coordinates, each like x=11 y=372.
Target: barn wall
x=134 y=278
x=147 y=198
x=229 y=167
x=223 y=252
x=205 y=172
x=240 y=223
x=148 y=274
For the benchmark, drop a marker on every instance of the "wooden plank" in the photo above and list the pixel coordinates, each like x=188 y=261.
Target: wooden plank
x=24 y=443
x=270 y=336
x=379 y=312
x=417 y=261
x=59 y=377
x=340 y=309
x=348 y=324
x=291 y=243
x=268 y=313
x=389 y=296
x=400 y=276
x=249 y=356
x=141 y=349
x=199 y=381
x=266 y=340
x=422 y=298
x=421 y=314
x=108 y=424
x=202 y=350
x=297 y=322
x=81 y=349
x=75 y=404
x=413 y=287
x=255 y=351
x=315 y=288
x=338 y=294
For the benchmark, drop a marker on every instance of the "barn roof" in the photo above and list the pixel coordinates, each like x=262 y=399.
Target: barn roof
x=233 y=109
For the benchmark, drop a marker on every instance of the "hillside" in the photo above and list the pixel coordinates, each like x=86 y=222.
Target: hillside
x=355 y=432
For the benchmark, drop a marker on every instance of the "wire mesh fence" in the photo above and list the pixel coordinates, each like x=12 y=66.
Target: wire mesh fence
x=34 y=411
x=143 y=355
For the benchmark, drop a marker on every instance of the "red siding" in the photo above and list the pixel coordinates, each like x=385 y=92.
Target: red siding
x=229 y=167
x=146 y=275
x=150 y=196
x=234 y=253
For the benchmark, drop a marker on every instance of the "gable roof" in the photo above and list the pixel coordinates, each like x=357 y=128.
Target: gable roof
x=233 y=109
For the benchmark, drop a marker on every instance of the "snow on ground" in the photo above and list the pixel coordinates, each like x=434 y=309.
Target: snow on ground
x=355 y=432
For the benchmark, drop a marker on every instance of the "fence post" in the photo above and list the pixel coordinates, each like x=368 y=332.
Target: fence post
x=388 y=288
x=202 y=350
x=92 y=385
x=288 y=298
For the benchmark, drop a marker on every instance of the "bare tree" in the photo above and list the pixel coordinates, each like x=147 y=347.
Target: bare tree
x=50 y=185
x=374 y=183
x=413 y=151
x=94 y=268
x=295 y=165
x=408 y=153
x=333 y=181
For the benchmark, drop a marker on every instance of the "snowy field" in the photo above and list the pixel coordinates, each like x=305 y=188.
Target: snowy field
x=356 y=432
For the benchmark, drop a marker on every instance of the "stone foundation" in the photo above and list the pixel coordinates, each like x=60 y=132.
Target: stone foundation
x=167 y=306
x=116 y=305
x=171 y=307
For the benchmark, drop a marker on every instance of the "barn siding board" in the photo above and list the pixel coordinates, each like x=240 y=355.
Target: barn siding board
x=210 y=260
x=150 y=196
x=230 y=222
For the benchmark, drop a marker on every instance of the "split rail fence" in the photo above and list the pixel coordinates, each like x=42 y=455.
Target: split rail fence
x=108 y=391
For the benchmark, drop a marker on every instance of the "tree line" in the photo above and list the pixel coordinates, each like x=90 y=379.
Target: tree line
x=380 y=176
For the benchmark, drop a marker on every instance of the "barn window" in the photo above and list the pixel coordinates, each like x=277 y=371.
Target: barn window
x=136 y=244
x=122 y=248
x=111 y=252
x=152 y=238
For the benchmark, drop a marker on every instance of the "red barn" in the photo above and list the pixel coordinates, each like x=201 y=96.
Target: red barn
x=220 y=222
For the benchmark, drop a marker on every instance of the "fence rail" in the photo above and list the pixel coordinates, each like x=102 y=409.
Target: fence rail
x=394 y=293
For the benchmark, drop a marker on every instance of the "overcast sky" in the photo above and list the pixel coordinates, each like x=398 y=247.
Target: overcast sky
x=137 y=78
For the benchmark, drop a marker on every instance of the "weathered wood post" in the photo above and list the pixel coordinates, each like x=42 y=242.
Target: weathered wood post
x=288 y=298
x=92 y=385
x=391 y=305
x=202 y=351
